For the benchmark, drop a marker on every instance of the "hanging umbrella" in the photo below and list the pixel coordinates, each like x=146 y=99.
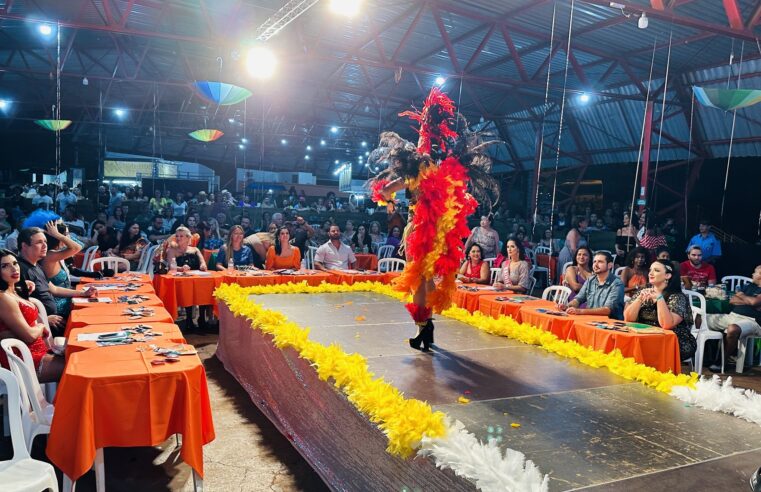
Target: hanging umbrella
x=221 y=93
x=727 y=99
x=54 y=125
x=206 y=134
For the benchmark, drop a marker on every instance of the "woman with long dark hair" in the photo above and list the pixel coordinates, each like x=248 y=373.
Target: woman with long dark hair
x=663 y=304
x=634 y=275
x=281 y=254
x=475 y=270
x=131 y=245
x=515 y=269
x=361 y=241
x=577 y=274
x=18 y=319
x=573 y=241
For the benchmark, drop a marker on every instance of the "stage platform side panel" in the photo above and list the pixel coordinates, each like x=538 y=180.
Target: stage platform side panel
x=341 y=444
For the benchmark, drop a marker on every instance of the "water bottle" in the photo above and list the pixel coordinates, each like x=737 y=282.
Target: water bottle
x=230 y=265
x=173 y=265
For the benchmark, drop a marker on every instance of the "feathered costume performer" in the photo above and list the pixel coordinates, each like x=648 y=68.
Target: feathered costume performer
x=437 y=175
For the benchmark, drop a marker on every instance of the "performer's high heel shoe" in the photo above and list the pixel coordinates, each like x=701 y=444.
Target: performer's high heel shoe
x=415 y=342
x=430 y=328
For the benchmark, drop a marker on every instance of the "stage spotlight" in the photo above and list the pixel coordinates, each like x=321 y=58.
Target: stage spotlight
x=440 y=80
x=364 y=144
x=4 y=104
x=336 y=161
x=584 y=98
x=333 y=129
x=284 y=141
x=322 y=142
x=347 y=8
x=309 y=148
x=120 y=113
x=261 y=63
x=306 y=157
x=45 y=29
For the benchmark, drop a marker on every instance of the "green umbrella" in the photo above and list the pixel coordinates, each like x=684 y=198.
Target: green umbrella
x=727 y=99
x=54 y=125
x=206 y=135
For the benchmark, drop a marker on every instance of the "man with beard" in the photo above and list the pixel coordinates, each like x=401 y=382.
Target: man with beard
x=334 y=254
x=603 y=293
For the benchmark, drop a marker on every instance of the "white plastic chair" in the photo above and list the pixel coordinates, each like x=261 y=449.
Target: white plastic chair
x=391 y=265
x=308 y=261
x=495 y=275
x=36 y=412
x=88 y=256
x=543 y=250
x=114 y=263
x=22 y=472
x=532 y=285
x=490 y=261
x=700 y=331
x=386 y=251
x=538 y=269
x=56 y=344
x=619 y=272
x=557 y=293
x=742 y=348
x=735 y=281
x=146 y=259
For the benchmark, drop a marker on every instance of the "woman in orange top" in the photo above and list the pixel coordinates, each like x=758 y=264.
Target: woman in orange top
x=282 y=254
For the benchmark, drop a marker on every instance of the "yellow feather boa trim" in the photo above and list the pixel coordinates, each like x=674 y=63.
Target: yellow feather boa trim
x=406 y=421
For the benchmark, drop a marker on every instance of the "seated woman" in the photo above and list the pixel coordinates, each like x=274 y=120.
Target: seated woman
x=186 y=256
x=209 y=236
x=117 y=220
x=361 y=242
x=395 y=239
x=634 y=275
x=475 y=270
x=282 y=254
x=376 y=235
x=515 y=269
x=131 y=245
x=241 y=254
x=60 y=247
x=18 y=319
x=664 y=305
x=578 y=273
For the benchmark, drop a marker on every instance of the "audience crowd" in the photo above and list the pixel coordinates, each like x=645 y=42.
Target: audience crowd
x=615 y=263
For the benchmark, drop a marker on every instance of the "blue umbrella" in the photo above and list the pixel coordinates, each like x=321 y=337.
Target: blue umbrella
x=222 y=93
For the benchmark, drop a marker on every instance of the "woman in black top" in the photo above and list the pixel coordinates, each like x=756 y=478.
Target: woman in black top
x=187 y=257
x=663 y=304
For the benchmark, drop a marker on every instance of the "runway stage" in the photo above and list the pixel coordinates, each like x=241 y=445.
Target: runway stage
x=585 y=427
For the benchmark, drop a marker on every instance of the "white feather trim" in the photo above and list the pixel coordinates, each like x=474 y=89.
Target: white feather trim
x=483 y=464
x=711 y=394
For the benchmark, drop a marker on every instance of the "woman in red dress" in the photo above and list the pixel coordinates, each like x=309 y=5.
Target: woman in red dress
x=18 y=319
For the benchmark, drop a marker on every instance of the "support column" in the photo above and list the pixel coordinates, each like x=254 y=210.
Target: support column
x=642 y=202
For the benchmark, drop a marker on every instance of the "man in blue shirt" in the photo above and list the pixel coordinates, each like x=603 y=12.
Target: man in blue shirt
x=709 y=244
x=603 y=293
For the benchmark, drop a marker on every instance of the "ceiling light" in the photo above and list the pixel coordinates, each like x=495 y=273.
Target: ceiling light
x=347 y=8
x=4 y=104
x=322 y=142
x=85 y=81
x=364 y=144
x=306 y=157
x=120 y=113
x=584 y=98
x=244 y=140
x=367 y=153
x=333 y=129
x=284 y=142
x=231 y=120
x=440 y=80
x=309 y=147
x=336 y=161
x=241 y=146
x=45 y=29
x=642 y=22
x=616 y=5
x=261 y=62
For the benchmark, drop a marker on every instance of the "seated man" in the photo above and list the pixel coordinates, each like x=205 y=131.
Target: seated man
x=743 y=321
x=156 y=231
x=695 y=273
x=334 y=254
x=603 y=293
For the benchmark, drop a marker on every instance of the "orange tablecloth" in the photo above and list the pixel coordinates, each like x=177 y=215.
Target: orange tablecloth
x=133 y=277
x=170 y=333
x=660 y=351
x=244 y=280
x=98 y=315
x=153 y=300
x=560 y=326
x=367 y=261
x=341 y=277
x=469 y=300
x=113 y=396
x=187 y=291
x=489 y=305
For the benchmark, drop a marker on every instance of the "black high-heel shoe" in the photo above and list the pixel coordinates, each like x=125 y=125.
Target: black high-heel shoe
x=415 y=342
x=430 y=331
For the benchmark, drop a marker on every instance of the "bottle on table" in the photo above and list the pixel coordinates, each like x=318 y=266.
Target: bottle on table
x=230 y=265
x=173 y=265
